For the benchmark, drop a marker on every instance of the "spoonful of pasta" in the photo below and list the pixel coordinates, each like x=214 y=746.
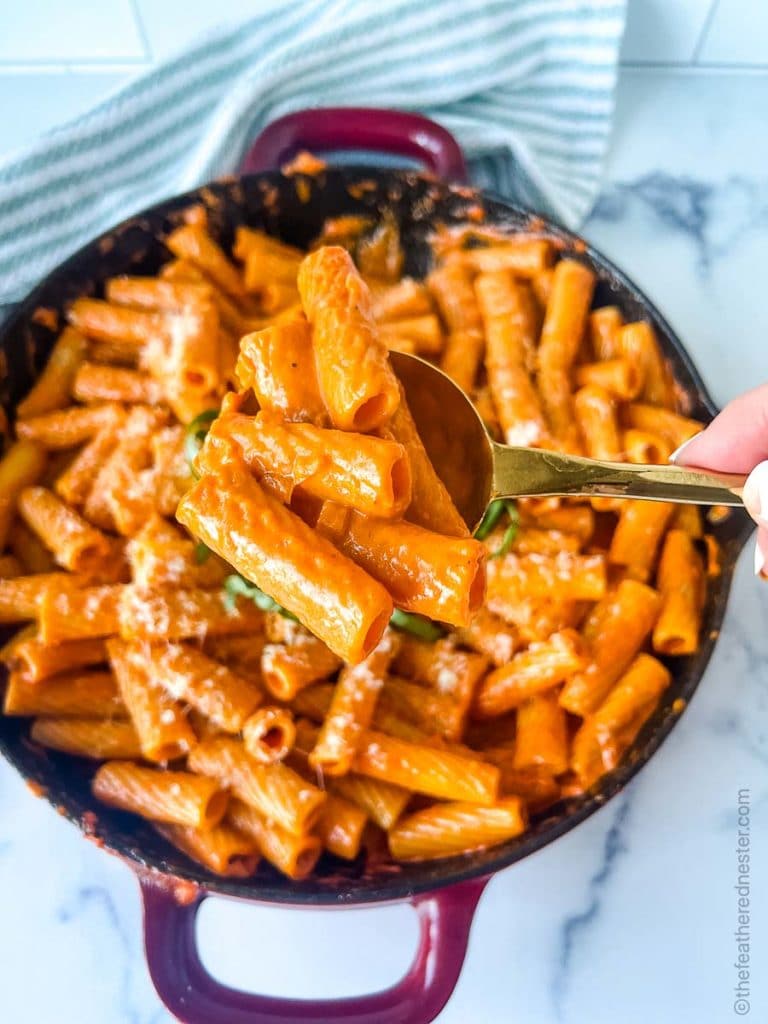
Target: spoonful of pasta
x=477 y=470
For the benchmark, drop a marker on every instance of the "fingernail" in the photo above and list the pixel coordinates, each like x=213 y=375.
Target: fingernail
x=676 y=453
x=756 y=493
x=759 y=560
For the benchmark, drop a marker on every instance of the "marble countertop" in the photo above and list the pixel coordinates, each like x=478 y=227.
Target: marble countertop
x=631 y=917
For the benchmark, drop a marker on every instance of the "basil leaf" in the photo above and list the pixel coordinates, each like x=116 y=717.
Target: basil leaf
x=235 y=586
x=493 y=514
x=423 y=628
x=195 y=435
x=511 y=531
x=202 y=553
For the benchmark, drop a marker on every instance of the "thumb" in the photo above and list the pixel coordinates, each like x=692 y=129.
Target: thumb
x=735 y=441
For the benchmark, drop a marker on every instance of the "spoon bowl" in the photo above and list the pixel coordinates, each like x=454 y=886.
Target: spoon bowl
x=477 y=470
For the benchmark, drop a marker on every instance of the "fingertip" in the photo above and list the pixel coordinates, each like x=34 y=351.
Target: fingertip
x=756 y=494
x=761 y=553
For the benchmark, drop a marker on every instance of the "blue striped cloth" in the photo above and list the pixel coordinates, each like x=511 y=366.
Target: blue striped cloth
x=526 y=85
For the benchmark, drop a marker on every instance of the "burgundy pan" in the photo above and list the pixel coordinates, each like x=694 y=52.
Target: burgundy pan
x=444 y=893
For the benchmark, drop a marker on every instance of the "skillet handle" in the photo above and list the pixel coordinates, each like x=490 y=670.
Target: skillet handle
x=384 y=131
x=194 y=997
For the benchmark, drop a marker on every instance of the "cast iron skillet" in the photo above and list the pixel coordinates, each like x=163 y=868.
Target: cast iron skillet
x=293 y=209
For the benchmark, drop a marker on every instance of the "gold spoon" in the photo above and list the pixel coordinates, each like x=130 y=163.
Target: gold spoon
x=477 y=470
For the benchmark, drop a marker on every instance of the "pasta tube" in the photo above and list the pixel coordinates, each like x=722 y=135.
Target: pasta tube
x=36 y=660
x=451 y=288
x=278 y=363
x=675 y=429
x=430 y=770
x=641 y=447
x=275 y=790
x=565 y=321
x=287 y=669
x=21 y=466
x=540 y=667
x=658 y=384
x=405 y=299
x=595 y=412
x=571 y=577
x=21 y=597
x=422 y=332
x=193 y=243
x=51 y=389
x=356 y=381
x=643 y=683
x=351 y=711
x=614 y=631
x=66 y=613
x=511 y=326
x=75 y=544
x=443 y=830
x=294 y=855
x=425 y=572
x=637 y=536
x=95 y=382
x=178 y=798
x=222 y=849
x=340 y=827
x=604 y=325
x=77 y=480
x=188 y=675
x=71 y=694
x=119 y=325
x=182 y=614
x=541 y=739
x=366 y=473
x=680 y=579
x=163 y=731
x=29 y=549
x=524 y=256
x=276 y=550
x=160 y=555
x=619 y=377
x=382 y=802
x=68 y=428
x=490 y=635
x=269 y=734
x=97 y=738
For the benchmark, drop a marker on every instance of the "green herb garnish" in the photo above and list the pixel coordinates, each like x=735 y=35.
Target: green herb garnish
x=235 y=586
x=511 y=531
x=493 y=514
x=202 y=553
x=195 y=435
x=424 y=629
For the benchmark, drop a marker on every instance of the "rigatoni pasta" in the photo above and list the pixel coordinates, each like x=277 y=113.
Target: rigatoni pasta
x=245 y=640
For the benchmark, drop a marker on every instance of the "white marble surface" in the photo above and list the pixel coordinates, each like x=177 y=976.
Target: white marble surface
x=628 y=919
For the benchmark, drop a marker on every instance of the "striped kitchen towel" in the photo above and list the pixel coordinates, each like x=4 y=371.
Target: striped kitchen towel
x=526 y=85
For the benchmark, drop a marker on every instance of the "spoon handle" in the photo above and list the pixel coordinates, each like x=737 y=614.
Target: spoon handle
x=531 y=472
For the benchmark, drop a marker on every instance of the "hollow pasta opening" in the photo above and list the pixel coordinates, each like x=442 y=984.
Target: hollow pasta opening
x=369 y=413
x=216 y=806
x=273 y=738
x=195 y=379
x=241 y=865
x=375 y=632
x=305 y=860
x=400 y=480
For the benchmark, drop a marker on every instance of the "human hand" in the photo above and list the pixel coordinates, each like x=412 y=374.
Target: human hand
x=736 y=441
